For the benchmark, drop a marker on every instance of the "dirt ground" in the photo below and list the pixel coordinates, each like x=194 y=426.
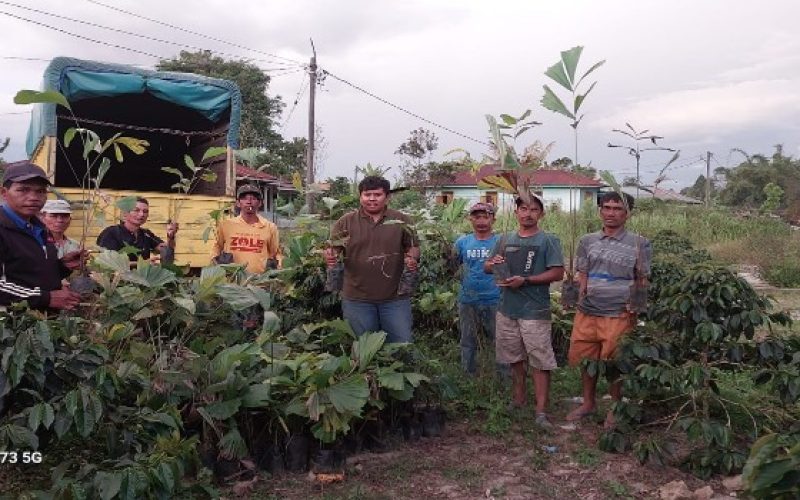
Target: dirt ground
x=466 y=464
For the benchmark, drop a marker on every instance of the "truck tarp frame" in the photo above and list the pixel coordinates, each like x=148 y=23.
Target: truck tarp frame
x=78 y=79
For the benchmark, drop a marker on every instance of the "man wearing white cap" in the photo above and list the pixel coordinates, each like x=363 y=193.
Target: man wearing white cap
x=57 y=216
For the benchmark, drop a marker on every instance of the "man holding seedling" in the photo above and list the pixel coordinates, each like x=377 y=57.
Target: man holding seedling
x=130 y=233
x=525 y=262
x=30 y=269
x=249 y=238
x=477 y=300
x=378 y=244
x=612 y=264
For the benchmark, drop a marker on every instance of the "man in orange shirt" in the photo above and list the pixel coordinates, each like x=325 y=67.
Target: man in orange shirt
x=248 y=239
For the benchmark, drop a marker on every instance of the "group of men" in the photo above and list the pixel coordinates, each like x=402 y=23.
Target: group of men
x=513 y=308
x=36 y=255
x=376 y=245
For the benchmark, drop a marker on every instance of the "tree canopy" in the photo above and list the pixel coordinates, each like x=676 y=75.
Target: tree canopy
x=259 y=111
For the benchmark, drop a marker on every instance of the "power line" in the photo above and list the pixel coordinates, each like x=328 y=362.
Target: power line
x=18 y=58
x=297 y=98
x=130 y=33
x=403 y=110
x=202 y=35
x=93 y=40
x=15 y=113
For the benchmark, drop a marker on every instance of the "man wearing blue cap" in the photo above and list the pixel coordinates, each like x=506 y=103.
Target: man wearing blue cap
x=30 y=269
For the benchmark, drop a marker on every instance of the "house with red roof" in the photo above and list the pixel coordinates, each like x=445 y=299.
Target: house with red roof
x=560 y=189
x=270 y=185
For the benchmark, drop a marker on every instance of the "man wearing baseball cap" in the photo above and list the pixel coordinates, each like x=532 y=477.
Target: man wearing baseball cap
x=57 y=216
x=477 y=300
x=249 y=238
x=30 y=269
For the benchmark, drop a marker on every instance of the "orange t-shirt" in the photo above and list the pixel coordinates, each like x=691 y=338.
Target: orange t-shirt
x=250 y=244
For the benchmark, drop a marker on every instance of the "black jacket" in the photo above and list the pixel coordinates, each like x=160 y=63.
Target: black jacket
x=27 y=271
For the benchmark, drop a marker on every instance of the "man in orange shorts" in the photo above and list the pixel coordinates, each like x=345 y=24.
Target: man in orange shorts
x=608 y=263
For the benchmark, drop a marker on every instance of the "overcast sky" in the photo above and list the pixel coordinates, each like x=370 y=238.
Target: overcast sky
x=707 y=75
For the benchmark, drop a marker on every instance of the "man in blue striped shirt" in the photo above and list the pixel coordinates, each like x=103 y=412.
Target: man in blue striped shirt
x=608 y=263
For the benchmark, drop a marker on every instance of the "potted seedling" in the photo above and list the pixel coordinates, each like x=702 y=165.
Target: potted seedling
x=563 y=73
x=184 y=186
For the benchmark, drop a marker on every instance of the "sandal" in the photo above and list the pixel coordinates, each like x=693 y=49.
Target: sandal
x=576 y=416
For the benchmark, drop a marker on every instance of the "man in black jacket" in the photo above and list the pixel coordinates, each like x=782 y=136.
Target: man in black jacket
x=30 y=269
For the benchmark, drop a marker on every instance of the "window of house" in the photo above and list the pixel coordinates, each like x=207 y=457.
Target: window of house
x=445 y=198
x=490 y=197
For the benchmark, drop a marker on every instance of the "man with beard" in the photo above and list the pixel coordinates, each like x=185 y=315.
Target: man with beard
x=130 y=233
x=378 y=243
x=249 y=238
x=523 y=332
x=30 y=269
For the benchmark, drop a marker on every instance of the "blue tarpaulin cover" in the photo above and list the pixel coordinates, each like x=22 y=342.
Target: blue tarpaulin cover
x=78 y=79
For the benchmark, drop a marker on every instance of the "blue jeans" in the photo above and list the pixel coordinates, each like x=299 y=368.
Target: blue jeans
x=471 y=319
x=393 y=317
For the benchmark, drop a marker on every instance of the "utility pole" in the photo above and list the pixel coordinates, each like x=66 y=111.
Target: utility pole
x=708 y=179
x=312 y=75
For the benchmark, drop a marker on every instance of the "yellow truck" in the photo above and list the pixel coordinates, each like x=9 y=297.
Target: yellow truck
x=178 y=114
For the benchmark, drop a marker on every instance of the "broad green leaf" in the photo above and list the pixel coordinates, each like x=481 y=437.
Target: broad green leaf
x=108 y=484
x=557 y=74
x=594 y=67
x=186 y=303
x=69 y=135
x=232 y=445
x=508 y=119
x=213 y=151
x=48 y=415
x=137 y=146
x=570 y=59
x=35 y=416
x=313 y=405
x=118 y=153
x=416 y=378
x=110 y=260
x=209 y=176
x=126 y=204
x=392 y=380
x=526 y=114
x=19 y=436
x=172 y=170
x=237 y=297
x=223 y=410
x=329 y=202
x=257 y=396
x=552 y=102
x=207 y=233
x=150 y=276
x=579 y=98
x=349 y=395
x=189 y=162
x=39 y=97
x=105 y=164
x=91 y=144
x=365 y=348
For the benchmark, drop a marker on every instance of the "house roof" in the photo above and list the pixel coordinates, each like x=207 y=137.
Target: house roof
x=244 y=172
x=542 y=177
x=250 y=174
x=660 y=194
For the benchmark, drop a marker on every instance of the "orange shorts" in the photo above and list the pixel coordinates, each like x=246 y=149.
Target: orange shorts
x=596 y=337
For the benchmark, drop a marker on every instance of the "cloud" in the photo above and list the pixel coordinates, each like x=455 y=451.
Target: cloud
x=712 y=111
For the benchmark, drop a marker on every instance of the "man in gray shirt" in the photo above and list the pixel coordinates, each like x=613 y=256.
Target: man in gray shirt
x=608 y=263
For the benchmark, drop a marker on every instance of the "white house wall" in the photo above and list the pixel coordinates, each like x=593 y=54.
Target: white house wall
x=557 y=196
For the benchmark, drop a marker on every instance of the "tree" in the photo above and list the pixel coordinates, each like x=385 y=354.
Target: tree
x=3 y=148
x=340 y=186
x=698 y=189
x=745 y=183
x=420 y=145
x=259 y=111
x=773 y=193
